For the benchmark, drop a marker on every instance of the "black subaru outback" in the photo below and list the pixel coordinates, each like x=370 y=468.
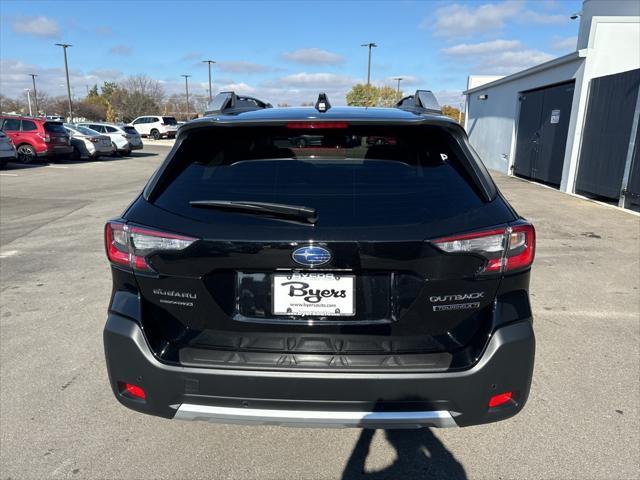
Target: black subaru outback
x=321 y=267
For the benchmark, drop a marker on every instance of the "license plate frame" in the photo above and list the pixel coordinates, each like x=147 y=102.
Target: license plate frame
x=318 y=284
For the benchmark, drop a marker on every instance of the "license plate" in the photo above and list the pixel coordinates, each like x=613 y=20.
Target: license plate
x=314 y=294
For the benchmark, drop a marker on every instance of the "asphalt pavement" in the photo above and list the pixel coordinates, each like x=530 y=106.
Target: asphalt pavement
x=58 y=417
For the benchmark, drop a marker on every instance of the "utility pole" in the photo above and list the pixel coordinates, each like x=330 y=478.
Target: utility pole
x=66 y=69
x=399 y=79
x=370 y=46
x=186 y=87
x=210 y=92
x=35 y=92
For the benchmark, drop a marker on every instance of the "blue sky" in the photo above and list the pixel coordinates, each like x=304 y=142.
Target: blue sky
x=282 y=51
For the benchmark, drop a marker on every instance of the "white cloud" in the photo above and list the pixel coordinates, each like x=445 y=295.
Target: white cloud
x=464 y=49
x=243 y=67
x=506 y=63
x=565 y=44
x=314 y=80
x=530 y=16
x=120 y=50
x=459 y=20
x=449 y=97
x=14 y=79
x=40 y=26
x=497 y=57
x=313 y=56
x=239 y=87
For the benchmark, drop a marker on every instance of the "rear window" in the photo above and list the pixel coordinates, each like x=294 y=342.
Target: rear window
x=169 y=121
x=54 y=127
x=358 y=176
x=130 y=130
x=29 y=126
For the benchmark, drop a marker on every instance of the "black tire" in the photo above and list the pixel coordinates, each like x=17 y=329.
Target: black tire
x=75 y=155
x=3 y=163
x=26 y=154
x=155 y=134
x=126 y=153
x=116 y=152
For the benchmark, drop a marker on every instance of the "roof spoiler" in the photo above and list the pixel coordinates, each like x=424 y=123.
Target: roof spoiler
x=229 y=103
x=423 y=101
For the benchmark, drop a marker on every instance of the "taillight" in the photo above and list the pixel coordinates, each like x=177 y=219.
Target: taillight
x=45 y=137
x=130 y=246
x=94 y=139
x=505 y=249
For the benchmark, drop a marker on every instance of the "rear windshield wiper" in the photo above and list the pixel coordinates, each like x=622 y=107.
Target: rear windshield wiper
x=276 y=210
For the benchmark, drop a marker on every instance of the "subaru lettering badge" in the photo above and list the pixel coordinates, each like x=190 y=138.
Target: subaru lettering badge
x=311 y=256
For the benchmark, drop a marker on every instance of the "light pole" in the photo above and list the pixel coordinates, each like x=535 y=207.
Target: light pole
x=399 y=79
x=35 y=92
x=210 y=92
x=186 y=87
x=66 y=69
x=370 y=46
x=29 y=101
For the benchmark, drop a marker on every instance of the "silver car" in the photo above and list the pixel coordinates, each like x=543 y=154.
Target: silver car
x=7 y=149
x=88 y=143
x=124 y=137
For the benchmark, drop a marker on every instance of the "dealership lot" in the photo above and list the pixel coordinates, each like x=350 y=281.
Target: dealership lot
x=59 y=418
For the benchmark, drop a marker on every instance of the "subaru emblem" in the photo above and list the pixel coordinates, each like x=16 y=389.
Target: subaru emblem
x=311 y=256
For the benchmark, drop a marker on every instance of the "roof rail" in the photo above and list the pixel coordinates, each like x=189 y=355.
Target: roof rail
x=423 y=101
x=229 y=103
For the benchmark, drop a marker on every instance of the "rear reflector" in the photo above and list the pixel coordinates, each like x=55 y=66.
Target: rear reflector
x=505 y=249
x=129 y=246
x=500 y=399
x=317 y=125
x=132 y=390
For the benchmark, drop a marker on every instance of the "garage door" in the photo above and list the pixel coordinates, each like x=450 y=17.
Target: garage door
x=606 y=135
x=542 y=133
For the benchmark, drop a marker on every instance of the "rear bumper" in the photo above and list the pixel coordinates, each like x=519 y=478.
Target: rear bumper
x=309 y=398
x=58 y=150
x=139 y=146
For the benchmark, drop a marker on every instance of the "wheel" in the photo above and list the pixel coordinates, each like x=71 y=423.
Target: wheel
x=155 y=134
x=126 y=153
x=75 y=155
x=3 y=162
x=115 y=153
x=26 y=154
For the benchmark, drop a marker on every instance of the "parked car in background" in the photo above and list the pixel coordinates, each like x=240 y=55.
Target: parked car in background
x=88 y=143
x=56 y=118
x=156 y=127
x=36 y=137
x=124 y=138
x=7 y=149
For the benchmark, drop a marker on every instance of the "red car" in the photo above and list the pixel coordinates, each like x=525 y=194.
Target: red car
x=36 y=137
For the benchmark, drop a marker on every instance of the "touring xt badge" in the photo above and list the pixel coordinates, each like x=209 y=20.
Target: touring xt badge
x=456 y=298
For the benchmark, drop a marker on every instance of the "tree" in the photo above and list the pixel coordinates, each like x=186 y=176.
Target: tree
x=362 y=95
x=453 y=112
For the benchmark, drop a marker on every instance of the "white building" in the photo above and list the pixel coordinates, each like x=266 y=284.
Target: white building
x=571 y=122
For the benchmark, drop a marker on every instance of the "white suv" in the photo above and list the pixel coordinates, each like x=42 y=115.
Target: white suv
x=156 y=127
x=123 y=137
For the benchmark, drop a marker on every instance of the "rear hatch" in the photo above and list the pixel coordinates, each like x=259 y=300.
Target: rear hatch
x=58 y=136
x=254 y=247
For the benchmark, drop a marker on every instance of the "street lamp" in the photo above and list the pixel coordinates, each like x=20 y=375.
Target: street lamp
x=399 y=79
x=66 y=69
x=370 y=46
x=29 y=100
x=210 y=92
x=35 y=92
x=186 y=87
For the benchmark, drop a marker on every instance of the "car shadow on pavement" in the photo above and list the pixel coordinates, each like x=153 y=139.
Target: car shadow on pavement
x=419 y=455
